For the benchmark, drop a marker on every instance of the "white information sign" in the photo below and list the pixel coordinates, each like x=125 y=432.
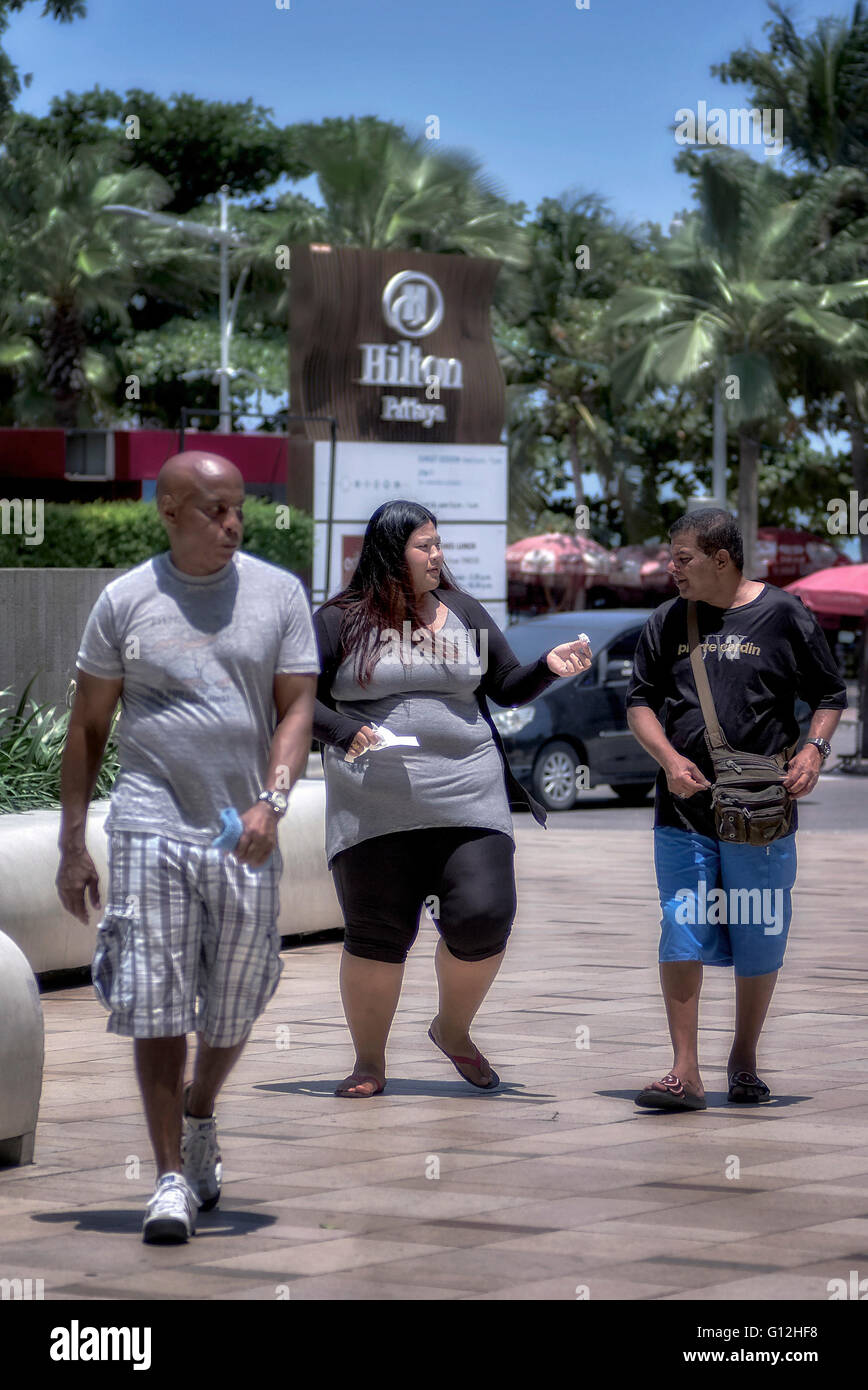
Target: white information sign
x=464 y=485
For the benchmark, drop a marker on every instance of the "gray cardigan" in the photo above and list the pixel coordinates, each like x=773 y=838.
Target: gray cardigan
x=505 y=680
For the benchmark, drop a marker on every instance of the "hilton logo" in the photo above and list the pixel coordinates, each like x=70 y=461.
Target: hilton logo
x=395 y=346
x=412 y=304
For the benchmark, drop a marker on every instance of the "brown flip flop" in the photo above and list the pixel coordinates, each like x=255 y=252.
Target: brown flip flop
x=745 y=1088
x=357 y=1078
x=669 y=1094
x=494 y=1079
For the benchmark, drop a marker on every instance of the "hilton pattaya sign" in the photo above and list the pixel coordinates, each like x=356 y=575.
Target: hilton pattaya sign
x=366 y=325
x=412 y=303
x=395 y=347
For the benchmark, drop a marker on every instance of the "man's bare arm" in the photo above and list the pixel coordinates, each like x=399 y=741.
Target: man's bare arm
x=683 y=777
x=803 y=770
x=294 y=699
x=89 y=725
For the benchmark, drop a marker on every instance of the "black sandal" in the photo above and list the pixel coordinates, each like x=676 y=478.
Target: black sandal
x=745 y=1088
x=669 y=1094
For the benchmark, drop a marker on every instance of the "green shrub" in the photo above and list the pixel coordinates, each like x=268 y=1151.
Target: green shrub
x=32 y=739
x=118 y=535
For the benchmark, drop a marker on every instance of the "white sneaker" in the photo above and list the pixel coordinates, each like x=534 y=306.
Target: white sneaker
x=170 y=1216
x=201 y=1160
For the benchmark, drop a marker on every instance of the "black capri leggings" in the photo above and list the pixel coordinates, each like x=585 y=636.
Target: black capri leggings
x=382 y=885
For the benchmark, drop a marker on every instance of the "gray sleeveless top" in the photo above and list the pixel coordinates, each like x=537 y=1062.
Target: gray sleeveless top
x=454 y=777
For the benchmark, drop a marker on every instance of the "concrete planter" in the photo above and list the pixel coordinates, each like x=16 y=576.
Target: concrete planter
x=51 y=939
x=22 y=1050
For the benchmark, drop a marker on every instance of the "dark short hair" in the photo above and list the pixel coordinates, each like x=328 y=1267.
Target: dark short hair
x=715 y=529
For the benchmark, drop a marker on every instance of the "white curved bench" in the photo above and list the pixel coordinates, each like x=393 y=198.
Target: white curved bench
x=22 y=1050
x=51 y=939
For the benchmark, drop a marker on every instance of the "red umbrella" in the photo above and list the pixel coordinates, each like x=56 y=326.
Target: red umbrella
x=556 y=552
x=840 y=590
x=642 y=567
x=783 y=554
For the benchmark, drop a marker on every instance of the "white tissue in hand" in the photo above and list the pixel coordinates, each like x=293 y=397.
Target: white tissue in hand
x=389 y=740
x=583 y=637
x=385 y=739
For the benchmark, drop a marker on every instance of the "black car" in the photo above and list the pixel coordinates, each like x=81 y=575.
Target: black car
x=581 y=722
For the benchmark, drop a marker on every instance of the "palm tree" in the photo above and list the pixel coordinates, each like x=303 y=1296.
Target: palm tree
x=820 y=83
x=745 y=312
x=550 y=329
x=381 y=189
x=71 y=269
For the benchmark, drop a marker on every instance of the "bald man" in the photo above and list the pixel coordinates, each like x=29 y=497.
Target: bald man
x=213 y=657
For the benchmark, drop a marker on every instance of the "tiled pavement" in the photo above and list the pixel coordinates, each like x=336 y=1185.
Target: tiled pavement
x=553 y=1182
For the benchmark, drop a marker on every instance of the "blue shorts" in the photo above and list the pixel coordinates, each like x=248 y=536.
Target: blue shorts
x=724 y=904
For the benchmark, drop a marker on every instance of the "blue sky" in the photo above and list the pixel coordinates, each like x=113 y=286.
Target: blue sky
x=548 y=96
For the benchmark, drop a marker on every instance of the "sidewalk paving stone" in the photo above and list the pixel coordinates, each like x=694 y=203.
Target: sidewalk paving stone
x=553 y=1182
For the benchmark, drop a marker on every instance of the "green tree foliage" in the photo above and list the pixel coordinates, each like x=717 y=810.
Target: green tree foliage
x=383 y=188
x=745 y=312
x=194 y=144
x=74 y=268
x=155 y=362
x=818 y=80
x=558 y=350
x=820 y=83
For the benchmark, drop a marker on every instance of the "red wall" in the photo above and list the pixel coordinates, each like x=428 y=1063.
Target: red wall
x=32 y=453
x=139 y=454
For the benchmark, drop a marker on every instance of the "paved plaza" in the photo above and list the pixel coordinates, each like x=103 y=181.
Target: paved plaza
x=551 y=1188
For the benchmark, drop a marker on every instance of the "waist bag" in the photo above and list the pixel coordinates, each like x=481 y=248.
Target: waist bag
x=750 y=804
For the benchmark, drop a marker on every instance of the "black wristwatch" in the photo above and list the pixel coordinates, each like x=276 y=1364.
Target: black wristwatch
x=278 y=801
x=824 y=746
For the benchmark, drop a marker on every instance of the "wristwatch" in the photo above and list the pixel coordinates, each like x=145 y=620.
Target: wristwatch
x=824 y=746
x=278 y=801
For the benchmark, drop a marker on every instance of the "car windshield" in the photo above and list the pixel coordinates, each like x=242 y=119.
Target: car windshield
x=532 y=638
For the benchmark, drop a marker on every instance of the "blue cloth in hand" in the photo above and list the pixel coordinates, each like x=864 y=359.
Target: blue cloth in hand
x=231 y=832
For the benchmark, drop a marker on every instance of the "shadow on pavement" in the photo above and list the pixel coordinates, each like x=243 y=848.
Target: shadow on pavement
x=122 y=1222
x=715 y=1100
x=399 y=1087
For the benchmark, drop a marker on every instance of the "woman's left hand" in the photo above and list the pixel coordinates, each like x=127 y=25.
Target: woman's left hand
x=569 y=658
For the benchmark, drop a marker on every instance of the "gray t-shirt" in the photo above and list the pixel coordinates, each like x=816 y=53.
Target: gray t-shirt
x=198 y=656
x=454 y=777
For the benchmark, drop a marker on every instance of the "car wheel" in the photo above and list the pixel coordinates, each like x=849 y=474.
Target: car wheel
x=554 y=776
x=633 y=793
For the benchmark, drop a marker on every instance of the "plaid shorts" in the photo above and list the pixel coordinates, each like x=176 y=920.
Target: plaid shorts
x=188 y=942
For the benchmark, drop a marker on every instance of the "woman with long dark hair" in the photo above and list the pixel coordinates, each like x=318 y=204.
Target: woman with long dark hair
x=403 y=647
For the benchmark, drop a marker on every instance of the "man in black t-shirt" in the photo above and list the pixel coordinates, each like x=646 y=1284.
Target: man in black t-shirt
x=724 y=904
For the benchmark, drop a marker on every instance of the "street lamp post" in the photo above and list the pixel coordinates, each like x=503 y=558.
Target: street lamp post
x=224 y=238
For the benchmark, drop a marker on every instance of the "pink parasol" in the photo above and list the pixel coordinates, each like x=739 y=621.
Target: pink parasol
x=841 y=590
x=556 y=553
